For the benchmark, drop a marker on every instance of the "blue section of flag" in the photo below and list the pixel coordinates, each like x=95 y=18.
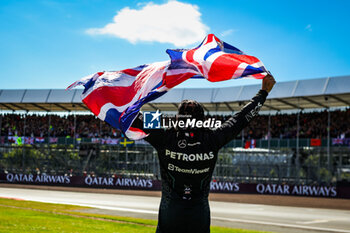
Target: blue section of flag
x=251 y=70
x=212 y=51
x=89 y=84
x=231 y=49
x=112 y=118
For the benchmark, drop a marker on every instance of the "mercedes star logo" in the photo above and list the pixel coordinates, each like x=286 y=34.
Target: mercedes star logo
x=182 y=143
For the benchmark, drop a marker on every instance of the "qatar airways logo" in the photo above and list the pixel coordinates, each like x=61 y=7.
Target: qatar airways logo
x=302 y=190
x=122 y=182
x=154 y=120
x=43 y=178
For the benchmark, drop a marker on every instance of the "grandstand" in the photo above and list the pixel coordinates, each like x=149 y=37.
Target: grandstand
x=315 y=157
x=300 y=94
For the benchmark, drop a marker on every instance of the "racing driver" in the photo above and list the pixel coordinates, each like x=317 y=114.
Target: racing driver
x=187 y=158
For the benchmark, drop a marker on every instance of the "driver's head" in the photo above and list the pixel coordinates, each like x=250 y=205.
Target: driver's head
x=191 y=109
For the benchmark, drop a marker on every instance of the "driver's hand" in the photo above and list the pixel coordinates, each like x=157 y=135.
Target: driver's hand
x=268 y=83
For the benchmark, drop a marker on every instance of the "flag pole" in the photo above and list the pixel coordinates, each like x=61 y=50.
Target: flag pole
x=269 y=130
x=328 y=140
x=297 y=143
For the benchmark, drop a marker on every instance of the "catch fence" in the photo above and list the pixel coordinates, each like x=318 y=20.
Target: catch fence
x=310 y=166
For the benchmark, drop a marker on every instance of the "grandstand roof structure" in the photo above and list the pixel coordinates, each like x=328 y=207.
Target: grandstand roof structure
x=300 y=94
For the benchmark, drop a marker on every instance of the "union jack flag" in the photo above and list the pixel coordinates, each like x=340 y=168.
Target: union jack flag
x=116 y=97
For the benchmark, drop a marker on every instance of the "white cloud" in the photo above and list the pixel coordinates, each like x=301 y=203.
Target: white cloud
x=173 y=22
x=309 y=27
x=227 y=32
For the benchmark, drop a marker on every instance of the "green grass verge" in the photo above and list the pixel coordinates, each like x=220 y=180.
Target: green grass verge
x=28 y=216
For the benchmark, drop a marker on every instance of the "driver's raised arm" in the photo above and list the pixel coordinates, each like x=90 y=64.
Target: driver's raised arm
x=233 y=126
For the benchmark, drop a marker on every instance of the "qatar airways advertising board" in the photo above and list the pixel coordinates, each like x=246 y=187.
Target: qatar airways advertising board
x=149 y=184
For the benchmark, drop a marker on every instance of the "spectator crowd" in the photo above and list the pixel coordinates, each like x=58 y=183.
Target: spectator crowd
x=311 y=125
x=33 y=125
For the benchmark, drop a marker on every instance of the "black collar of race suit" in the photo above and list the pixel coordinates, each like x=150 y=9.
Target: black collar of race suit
x=188 y=132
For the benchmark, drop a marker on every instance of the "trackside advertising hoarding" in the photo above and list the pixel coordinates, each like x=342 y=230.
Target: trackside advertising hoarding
x=148 y=184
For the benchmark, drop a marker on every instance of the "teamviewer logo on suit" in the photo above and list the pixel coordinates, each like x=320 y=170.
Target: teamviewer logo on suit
x=151 y=120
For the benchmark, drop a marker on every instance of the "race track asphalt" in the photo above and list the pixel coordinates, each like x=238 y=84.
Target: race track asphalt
x=229 y=214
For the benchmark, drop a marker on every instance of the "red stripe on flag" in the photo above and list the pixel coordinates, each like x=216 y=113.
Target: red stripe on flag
x=189 y=58
x=258 y=76
x=223 y=68
x=209 y=38
x=136 y=129
x=131 y=72
x=217 y=39
x=245 y=58
x=173 y=80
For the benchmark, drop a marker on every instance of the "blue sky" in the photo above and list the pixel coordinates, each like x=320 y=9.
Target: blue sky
x=50 y=44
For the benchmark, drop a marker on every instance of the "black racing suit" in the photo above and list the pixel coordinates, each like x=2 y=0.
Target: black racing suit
x=187 y=159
